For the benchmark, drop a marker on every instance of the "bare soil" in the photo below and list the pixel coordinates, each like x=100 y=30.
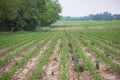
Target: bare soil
x=1 y=50
x=52 y=69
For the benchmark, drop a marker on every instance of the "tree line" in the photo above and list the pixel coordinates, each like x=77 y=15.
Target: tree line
x=28 y=14
x=98 y=16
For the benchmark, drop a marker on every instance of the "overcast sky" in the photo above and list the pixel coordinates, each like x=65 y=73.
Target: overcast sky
x=76 y=8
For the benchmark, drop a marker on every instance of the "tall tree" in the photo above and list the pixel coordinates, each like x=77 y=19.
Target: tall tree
x=27 y=14
x=8 y=13
x=52 y=12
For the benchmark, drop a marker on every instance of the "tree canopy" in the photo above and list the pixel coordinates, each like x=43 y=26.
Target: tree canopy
x=27 y=14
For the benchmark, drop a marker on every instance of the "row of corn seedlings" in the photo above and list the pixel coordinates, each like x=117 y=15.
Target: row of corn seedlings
x=64 y=58
x=105 y=46
x=37 y=73
x=19 y=44
x=108 y=60
x=20 y=64
x=6 y=59
x=89 y=65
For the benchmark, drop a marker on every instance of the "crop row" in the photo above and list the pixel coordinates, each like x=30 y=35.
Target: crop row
x=100 y=54
x=15 y=40
x=64 y=58
x=37 y=73
x=106 y=36
x=89 y=64
x=109 y=43
x=6 y=59
x=9 y=74
x=93 y=40
x=19 y=44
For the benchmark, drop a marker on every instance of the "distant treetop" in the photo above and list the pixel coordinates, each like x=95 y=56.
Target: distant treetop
x=98 y=16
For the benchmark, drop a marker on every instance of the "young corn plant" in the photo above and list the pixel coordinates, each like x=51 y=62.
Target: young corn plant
x=78 y=68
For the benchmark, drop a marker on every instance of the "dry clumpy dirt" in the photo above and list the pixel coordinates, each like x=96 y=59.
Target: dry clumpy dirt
x=26 y=71
x=3 y=49
x=105 y=71
x=15 y=60
x=52 y=69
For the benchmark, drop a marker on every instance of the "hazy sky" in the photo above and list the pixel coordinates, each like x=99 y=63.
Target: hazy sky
x=86 y=7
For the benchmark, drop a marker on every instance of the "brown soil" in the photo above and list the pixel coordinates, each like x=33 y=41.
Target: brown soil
x=105 y=71
x=15 y=60
x=85 y=75
x=26 y=71
x=1 y=50
x=52 y=69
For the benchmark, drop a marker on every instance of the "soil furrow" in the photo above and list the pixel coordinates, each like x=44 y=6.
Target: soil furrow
x=72 y=75
x=85 y=75
x=1 y=50
x=52 y=69
x=13 y=51
x=104 y=69
x=16 y=60
x=26 y=71
x=115 y=59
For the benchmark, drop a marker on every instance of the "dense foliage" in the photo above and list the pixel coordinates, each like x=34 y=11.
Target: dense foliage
x=27 y=14
x=98 y=16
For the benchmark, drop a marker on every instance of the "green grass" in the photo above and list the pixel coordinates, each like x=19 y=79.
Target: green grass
x=86 y=23
x=8 y=40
